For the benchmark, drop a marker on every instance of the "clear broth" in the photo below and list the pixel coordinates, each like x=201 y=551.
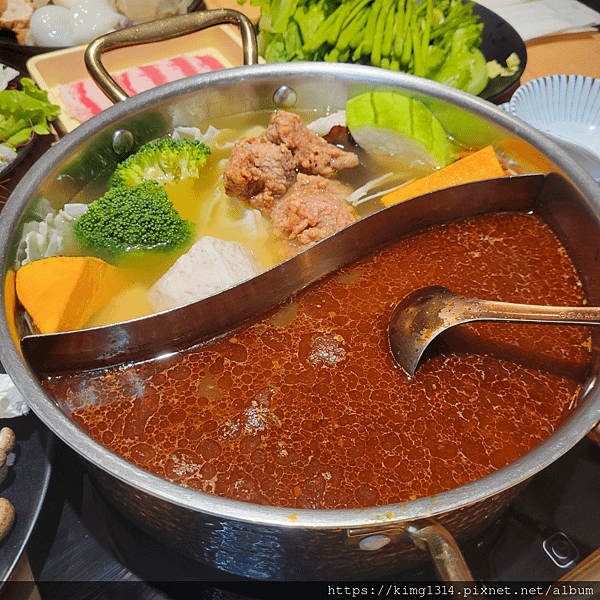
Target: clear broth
x=205 y=202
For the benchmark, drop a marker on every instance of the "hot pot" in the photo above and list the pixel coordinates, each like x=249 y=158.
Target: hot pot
x=265 y=542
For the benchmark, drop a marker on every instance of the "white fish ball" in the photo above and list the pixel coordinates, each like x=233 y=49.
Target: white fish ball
x=51 y=26
x=91 y=18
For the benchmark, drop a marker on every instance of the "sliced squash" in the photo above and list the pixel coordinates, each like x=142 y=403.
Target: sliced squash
x=62 y=293
x=482 y=164
x=10 y=302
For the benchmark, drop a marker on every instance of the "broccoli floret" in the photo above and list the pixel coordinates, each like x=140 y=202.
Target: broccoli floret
x=132 y=219
x=162 y=160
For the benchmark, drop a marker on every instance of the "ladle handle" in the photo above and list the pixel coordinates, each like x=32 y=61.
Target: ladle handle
x=584 y=315
x=159 y=30
x=489 y=310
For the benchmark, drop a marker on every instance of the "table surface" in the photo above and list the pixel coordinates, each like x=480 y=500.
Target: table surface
x=573 y=54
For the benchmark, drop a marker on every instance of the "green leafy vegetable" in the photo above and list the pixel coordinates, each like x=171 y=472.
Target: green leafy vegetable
x=23 y=113
x=436 y=39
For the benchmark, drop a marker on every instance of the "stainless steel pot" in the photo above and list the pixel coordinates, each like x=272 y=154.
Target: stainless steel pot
x=275 y=543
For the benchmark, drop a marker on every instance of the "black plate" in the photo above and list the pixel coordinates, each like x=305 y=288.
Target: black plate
x=23 y=150
x=499 y=40
x=25 y=486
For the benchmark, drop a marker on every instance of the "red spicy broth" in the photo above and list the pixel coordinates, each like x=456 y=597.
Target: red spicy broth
x=305 y=409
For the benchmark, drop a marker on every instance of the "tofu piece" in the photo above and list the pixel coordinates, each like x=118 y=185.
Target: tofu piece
x=210 y=266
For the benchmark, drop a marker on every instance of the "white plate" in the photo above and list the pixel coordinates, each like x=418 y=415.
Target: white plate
x=564 y=106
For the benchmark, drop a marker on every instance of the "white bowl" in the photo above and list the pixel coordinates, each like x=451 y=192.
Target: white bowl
x=564 y=106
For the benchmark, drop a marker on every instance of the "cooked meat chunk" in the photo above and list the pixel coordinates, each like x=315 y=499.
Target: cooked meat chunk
x=259 y=171
x=313 y=154
x=283 y=173
x=313 y=208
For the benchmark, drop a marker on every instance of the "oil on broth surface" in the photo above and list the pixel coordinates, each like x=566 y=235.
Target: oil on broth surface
x=304 y=408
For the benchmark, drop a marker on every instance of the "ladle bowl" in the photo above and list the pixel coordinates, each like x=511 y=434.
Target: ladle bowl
x=427 y=312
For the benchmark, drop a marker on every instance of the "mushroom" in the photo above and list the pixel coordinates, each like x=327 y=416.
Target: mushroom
x=7 y=510
x=7 y=439
x=7 y=517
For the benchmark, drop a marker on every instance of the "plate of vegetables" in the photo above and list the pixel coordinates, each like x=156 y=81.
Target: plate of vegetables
x=25 y=112
x=455 y=42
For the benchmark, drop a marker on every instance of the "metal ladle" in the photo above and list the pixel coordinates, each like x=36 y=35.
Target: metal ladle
x=425 y=313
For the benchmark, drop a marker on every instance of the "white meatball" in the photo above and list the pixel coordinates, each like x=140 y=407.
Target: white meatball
x=91 y=18
x=51 y=26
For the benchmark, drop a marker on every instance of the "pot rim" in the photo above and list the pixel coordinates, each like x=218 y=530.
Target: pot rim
x=571 y=432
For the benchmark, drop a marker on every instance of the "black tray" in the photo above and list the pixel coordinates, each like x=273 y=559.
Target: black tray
x=25 y=485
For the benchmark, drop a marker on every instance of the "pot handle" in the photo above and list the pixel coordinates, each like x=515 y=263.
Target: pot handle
x=437 y=541
x=430 y=536
x=159 y=30
x=594 y=434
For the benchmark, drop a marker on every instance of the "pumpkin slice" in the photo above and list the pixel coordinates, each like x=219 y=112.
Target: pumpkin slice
x=10 y=303
x=61 y=293
x=482 y=164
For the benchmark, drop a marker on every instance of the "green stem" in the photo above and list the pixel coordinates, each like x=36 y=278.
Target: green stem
x=417 y=58
x=399 y=29
x=343 y=11
x=407 y=41
x=376 y=53
x=367 y=45
x=426 y=34
x=322 y=32
x=355 y=25
x=388 y=35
